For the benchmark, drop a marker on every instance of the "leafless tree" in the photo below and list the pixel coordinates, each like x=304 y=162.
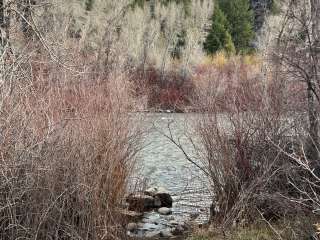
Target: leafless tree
x=298 y=54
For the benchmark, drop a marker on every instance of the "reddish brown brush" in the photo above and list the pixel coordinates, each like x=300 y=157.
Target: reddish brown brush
x=164 y=90
x=67 y=149
x=241 y=130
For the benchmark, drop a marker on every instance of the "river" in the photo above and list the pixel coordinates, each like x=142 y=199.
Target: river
x=162 y=163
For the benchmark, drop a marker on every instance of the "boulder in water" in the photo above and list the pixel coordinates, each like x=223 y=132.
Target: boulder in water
x=161 y=195
x=157 y=202
x=165 y=199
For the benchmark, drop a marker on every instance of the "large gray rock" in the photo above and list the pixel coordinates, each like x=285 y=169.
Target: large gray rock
x=140 y=202
x=161 y=195
x=157 y=202
x=165 y=199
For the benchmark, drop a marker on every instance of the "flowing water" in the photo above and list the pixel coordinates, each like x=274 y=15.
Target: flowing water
x=162 y=163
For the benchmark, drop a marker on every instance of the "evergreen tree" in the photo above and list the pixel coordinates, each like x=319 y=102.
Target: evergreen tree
x=89 y=5
x=241 y=19
x=228 y=44
x=219 y=38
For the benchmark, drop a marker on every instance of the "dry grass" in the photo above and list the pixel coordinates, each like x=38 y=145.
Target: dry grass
x=294 y=228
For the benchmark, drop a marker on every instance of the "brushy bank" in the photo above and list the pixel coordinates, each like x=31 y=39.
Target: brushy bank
x=260 y=135
x=253 y=149
x=67 y=143
x=67 y=150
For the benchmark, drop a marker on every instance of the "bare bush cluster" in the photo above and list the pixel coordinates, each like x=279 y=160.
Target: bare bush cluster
x=260 y=130
x=67 y=143
x=240 y=132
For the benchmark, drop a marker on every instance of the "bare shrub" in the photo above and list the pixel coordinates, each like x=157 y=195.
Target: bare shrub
x=240 y=134
x=66 y=153
x=67 y=143
x=170 y=90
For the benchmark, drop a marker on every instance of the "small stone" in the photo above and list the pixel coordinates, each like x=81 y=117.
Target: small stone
x=166 y=233
x=130 y=234
x=178 y=230
x=173 y=223
x=151 y=191
x=151 y=217
x=152 y=234
x=140 y=225
x=164 y=211
x=162 y=190
x=132 y=227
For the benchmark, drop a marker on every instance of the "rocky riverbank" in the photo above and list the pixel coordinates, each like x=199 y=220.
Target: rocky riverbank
x=152 y=218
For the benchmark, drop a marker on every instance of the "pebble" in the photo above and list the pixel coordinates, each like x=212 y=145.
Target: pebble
x=152 y=234
x=166 y=233
x=151 y=191
x=132 y=227
x=164 y=211
x=173 y=222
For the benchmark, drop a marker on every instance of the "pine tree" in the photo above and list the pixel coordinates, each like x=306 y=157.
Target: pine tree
x=219 y=38
x=229 y=45
x=241 y=19
x=89 y=5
